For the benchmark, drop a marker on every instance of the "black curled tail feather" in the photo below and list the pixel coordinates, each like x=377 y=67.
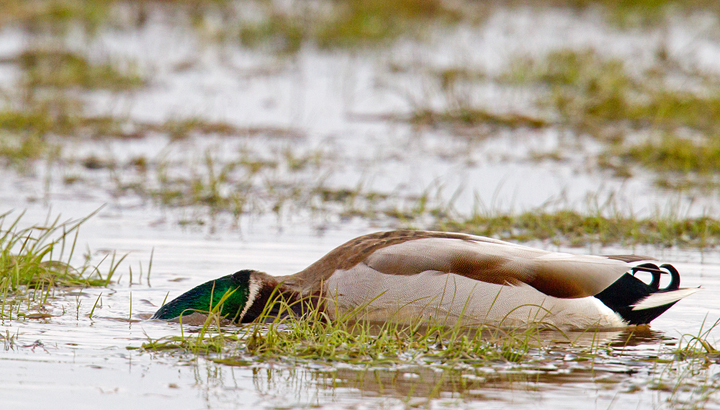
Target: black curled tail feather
x=628 y=290
x=675 y=278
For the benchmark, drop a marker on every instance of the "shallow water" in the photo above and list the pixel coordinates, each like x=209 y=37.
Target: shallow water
x=337 y=103
x=333 y=103
x=54 y=361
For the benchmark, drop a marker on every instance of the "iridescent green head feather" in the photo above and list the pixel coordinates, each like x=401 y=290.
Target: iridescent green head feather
x=231 y=295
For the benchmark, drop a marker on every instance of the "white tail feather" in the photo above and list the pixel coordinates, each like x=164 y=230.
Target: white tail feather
x=663 y=298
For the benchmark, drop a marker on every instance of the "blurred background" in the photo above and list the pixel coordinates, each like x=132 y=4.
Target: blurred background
x=571 y=121
x=217 y=135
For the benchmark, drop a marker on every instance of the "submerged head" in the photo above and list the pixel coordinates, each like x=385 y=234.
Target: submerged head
x=231 y=296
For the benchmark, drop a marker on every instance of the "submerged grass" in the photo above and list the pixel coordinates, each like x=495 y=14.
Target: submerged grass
x=280 y=334
x=250 y=185
x=471 y=356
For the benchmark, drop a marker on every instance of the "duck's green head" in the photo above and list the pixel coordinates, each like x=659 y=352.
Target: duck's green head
x=230 y=295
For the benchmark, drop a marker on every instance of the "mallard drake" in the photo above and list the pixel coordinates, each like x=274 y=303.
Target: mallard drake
x=406 y=276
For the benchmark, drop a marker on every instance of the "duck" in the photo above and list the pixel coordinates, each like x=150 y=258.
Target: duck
x=446 y=278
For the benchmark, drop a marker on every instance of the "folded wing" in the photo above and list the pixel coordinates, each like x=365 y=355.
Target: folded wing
x=556 y=274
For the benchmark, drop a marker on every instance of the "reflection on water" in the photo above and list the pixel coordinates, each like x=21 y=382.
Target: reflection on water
x=557 y=377
x=625 y=369
x=72 y=360
x=74 y=355
x=71 y=355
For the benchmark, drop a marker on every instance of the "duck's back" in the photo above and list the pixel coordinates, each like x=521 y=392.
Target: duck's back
x=475 y=280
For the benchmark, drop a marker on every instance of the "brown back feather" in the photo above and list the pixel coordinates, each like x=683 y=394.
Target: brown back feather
x=505 y=264
x=353 y=252
x=629 y=258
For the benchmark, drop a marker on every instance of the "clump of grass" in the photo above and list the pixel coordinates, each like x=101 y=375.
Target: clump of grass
x=632 y=13
x=450 y=77
x=586 y=90
x=55 y=15
x=182 y=129
x=58 y=115
x=643 y=13
x=348 y=339
x=694 y=345
x=673 y=153
x=679 y=163
x=64 y=69
x=249 y=183
x=377 y=21
x=280 y=333
x=179 y=129
x=278 y=31
x=27 y=128
x=344 y=23
x=18 y=151
x=215 y=185
x=463 y=354
x=36 y=121
x=458 y=109
x=36 y=260
x=670 y=110
x=593 y=94
x=577 y=229
x=470 y=116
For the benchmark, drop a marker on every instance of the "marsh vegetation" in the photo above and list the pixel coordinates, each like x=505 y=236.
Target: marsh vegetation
x=591 y=124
